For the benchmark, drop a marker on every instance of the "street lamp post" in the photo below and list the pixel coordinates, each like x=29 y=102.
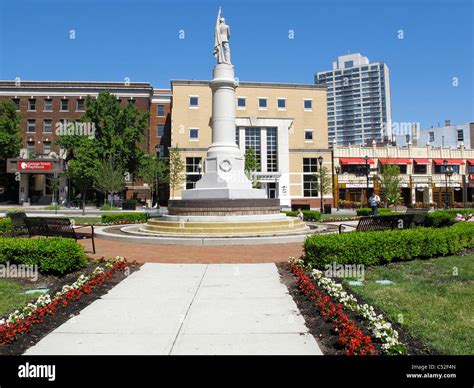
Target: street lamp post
x=448 y=172
x=366 y=158
x=320 y=161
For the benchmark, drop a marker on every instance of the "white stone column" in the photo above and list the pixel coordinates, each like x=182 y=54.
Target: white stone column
x=263 y=149
x=224 y=176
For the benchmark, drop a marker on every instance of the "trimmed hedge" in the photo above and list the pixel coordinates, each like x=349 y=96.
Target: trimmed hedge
x=5 y=225
x=52 y=255
x=375 y=248
x=308 y=215
x=365 y=211
x=123 y=218
x=441 y=218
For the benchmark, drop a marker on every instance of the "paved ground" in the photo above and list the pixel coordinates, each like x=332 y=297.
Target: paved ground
x=151 y=253
x=188 y=309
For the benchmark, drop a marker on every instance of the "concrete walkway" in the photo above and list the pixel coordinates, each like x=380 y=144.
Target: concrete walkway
x=188 y=309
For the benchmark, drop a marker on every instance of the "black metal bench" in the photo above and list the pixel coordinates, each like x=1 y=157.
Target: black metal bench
x=57 y=227
x=419 y=215
x=379 y=223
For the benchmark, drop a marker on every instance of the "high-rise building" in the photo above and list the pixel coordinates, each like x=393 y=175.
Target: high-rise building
x=358 y=99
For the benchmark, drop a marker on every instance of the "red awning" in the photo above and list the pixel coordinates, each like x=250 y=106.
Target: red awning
x=394 y=161
x=451 y=162
x=422 y=161
x=355 y=161
x=471 y=161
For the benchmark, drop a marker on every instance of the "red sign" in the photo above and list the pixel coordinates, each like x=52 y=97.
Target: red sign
x=471 y=177
x=35 y=166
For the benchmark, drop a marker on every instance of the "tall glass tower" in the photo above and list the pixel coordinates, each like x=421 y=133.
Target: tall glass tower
x=358 y=97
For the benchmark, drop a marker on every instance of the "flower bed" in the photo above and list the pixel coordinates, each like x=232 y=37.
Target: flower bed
x=21 y=322
x=351 y=337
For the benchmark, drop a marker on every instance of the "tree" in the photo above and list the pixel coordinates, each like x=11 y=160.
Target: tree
x=323 y=181
x=109 y=178
x=153 y=171
x=81 y=169
x=251 y=166
x=390 y=184
x=10 y=141
x=176 y=169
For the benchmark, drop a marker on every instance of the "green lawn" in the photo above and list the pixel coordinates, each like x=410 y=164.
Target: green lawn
x=435 y=305
x=336 y=215
x=11 y=297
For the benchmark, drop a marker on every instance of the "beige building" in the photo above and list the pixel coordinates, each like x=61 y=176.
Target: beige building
x=286 y=125
x=424 y=181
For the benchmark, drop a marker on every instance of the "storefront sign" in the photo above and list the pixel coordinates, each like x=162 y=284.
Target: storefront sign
x=35 y=166
x=358 y=185
x=449 y=185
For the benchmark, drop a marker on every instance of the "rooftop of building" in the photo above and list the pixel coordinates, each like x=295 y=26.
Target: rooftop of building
x=275 y=85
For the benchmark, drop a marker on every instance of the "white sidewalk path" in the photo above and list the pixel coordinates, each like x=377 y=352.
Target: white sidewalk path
x=188 y=309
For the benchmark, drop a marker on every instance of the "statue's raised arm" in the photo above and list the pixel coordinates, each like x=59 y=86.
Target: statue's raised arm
x=221 y=40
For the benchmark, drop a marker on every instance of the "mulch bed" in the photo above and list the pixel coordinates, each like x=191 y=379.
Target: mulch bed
x=51 y=322
x=322 y=328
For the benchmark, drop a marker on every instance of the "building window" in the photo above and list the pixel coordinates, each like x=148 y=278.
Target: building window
x=272 y=149
x=193 y=101
x=310 y=186
x=32 y=104
x=31 y=126
x=131 y=101
x=160 y=110
x=46 y=147
x=308 y=135
x=420 y=168
x=440 y=169
x=160 y=130
x=470 y=169
x=47 y=126
x=262 y=103
x=253 y=140
x=310 y=165
x=48 y=105
x=407 y=139
x=281 y=103
x=16 y=101
x=432 y=137
x=460 y=135
x=308 y=104
x=193 y=172
x=80 y=105
x=64 y=107
x=193 y=134
x=241 y=102
x=30 y=146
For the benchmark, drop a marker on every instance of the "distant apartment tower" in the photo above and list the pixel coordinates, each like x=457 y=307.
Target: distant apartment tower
x=358 y=100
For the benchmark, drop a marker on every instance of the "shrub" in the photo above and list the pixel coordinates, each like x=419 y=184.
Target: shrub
x=365 y=211
x=374 y=248
x=52 y=255
x=123 y=218
x=308 y=215
x=5 y=225
x=441 y=218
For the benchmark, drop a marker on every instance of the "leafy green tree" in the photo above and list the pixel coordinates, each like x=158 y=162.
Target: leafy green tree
x=323 y=181
x=10 y=141
x=176 y=169
x=109 y=178
x=82 y=168
x=251 y=166
x=391 y=183
x=153 y=171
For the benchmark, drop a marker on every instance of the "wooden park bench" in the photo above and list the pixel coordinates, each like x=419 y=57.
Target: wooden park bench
x=19 y=225
x=57 y=227
x=378 y=223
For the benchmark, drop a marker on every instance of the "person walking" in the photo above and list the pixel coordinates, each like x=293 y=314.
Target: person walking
x=374 y=201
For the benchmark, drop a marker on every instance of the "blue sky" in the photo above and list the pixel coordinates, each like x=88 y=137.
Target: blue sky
x=140 y=39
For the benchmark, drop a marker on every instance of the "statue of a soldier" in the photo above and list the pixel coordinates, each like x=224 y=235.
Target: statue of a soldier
x=221 y=40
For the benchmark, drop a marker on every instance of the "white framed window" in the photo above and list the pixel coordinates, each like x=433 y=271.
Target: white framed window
x=194 y=102
x=64 y=106
x=308 y=104
x=241 y=102
x=31 y=126
x=160 y=130
x=47 y=105
x=80 y=105
x=262 y=103
x=47 y=125
x=160 y=110
x=193 y=134
x=32 y=104
x=281 y=103
x=308 y=135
